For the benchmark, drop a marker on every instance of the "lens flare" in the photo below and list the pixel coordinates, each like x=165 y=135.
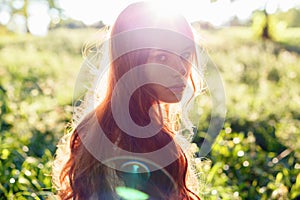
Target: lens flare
x=131 y=194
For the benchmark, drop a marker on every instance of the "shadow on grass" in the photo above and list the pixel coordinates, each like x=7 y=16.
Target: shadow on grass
x=289 y=47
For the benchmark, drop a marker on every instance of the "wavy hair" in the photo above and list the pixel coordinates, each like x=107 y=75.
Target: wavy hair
x=85 y=177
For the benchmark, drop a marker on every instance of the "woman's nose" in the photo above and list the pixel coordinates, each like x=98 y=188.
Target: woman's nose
x=180 y=66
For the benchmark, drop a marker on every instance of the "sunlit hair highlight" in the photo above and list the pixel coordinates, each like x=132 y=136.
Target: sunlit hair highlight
x=82 y=175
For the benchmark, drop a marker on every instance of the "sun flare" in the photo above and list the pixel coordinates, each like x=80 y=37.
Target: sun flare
x=166 y=8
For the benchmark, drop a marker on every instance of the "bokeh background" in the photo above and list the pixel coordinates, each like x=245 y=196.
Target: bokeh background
x=255 y=44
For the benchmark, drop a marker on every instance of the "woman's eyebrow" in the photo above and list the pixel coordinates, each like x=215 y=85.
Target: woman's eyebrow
x=162 y=50
x=190 y=47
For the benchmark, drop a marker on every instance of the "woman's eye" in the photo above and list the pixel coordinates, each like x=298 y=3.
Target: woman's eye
x=161 y=57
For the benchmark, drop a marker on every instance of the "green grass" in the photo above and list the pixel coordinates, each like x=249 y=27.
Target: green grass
x=36 y=87
x=262 y=90
x=261 y=79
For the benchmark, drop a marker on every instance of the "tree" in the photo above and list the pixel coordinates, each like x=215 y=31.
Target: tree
x=265 y=28
x=19 y=10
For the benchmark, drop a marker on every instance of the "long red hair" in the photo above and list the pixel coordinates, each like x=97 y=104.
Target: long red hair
x=83 y=175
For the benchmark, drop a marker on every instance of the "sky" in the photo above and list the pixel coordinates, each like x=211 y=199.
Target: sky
x=91 y=11
x=217 y=13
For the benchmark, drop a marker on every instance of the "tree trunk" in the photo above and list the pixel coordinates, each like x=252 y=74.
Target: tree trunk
x=266 y=32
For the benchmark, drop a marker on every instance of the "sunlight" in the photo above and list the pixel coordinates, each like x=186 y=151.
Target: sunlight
x=193 y=10
x=217 y=13
x=272 y=6
x=166 y=8
x=244 y=11
x=38 y=20
x=4 y=17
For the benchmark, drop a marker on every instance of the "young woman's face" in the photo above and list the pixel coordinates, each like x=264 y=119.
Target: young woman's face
x=172 y=68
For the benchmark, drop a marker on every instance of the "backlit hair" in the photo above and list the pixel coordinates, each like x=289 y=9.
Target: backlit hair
x=82 y=176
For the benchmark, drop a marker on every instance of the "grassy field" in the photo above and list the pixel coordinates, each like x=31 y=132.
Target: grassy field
x=257 y=154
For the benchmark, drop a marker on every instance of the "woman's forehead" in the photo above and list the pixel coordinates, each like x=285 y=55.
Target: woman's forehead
x=151 y=15
x=152 y=38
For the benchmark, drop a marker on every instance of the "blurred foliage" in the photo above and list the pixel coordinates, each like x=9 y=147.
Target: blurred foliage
x=275 y=24
x=291 y=17
x=21 y=9
x=37 y=79
x=256 y=155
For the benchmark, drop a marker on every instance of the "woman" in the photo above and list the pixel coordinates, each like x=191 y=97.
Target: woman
x=129 y=142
